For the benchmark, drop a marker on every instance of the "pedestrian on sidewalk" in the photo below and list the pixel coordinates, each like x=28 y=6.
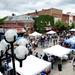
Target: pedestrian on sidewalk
x=73 y=63
x=45 y=57
x=60 y=66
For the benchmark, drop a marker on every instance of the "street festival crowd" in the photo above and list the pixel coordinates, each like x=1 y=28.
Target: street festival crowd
x=44 y=42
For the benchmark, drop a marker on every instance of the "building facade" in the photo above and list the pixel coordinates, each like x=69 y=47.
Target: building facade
x=57 y=13
x=22 y=23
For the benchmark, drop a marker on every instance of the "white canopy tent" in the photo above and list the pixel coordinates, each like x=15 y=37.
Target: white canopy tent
x=1 y=73
x=51 y=32
x=32 y=66
x=57 y=50
x=73 y=30
x=35 y=34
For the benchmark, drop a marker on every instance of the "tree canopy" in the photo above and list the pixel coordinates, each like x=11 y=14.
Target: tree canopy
x=42 y=21
x=72 y=25
x=2 y=20
x=60 y=25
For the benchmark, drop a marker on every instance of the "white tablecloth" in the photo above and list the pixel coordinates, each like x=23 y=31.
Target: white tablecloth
x=32 y=66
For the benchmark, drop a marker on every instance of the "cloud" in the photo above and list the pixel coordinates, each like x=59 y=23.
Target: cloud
x=69 y=8
x=4 y=13
x=24 y=6
x=18 y=5
x=68 y=1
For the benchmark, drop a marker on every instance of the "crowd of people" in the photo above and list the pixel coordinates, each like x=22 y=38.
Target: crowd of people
x=44 y=42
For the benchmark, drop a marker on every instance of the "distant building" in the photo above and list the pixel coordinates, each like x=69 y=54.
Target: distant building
x=57 y=13
x=65 y=18
x=22 y=23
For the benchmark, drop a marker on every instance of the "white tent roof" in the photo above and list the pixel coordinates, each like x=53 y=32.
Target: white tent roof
x=57 y=50
x=1 y=73
x=72 y=30
x=32 y=66
x=35 y=34
x=51 y=32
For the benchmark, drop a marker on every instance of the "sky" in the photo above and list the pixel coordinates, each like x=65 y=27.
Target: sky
x=18 y=7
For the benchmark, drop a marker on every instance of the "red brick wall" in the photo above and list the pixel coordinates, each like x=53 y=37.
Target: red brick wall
x=65 y=18
x=74 y=18
x=52 y=12
x=10 y=25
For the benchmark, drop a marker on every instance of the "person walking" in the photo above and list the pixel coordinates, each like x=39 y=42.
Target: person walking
x=73 y=63
x=60 y=66
x=45 y=57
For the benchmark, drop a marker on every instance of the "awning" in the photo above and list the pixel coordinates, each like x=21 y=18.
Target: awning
x=51 y=32
x=20 y=30
x=32 y=66
x=36 y=34
x=73 y=30
x=57 y=50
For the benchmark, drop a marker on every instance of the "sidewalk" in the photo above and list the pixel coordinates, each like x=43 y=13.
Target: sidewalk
x=67 y=70
x=67 y=67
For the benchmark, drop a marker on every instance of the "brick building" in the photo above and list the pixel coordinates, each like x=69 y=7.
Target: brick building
x=65 y=18
x=52 y=12
x=57 y=13
x=22 y=23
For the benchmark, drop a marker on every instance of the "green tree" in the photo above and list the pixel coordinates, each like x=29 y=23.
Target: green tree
x=72 y=25
x=60 y=25
x=2 y=20
x=42 y=21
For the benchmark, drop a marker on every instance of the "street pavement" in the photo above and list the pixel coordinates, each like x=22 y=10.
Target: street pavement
x=67 y=68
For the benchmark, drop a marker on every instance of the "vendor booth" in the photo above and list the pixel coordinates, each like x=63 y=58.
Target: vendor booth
x=33 y=66
x=0 y=73
x=57 y=50
x=51 y=32
x=35 y=34
x=72 y=30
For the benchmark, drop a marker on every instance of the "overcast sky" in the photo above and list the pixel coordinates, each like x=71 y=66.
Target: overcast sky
x=7 y=7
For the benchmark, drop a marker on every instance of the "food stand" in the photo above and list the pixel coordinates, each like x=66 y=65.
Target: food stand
x=33 y=66
x=57 y=50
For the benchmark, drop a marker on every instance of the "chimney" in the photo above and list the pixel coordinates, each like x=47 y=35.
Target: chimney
x=36 y=11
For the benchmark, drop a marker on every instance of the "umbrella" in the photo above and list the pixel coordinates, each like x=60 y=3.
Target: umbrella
x=72 y=30
x=36 y=34
x=51 y=32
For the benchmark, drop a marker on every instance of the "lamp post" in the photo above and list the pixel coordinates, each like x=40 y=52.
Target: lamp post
x=10 y=37
x=21 y=53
